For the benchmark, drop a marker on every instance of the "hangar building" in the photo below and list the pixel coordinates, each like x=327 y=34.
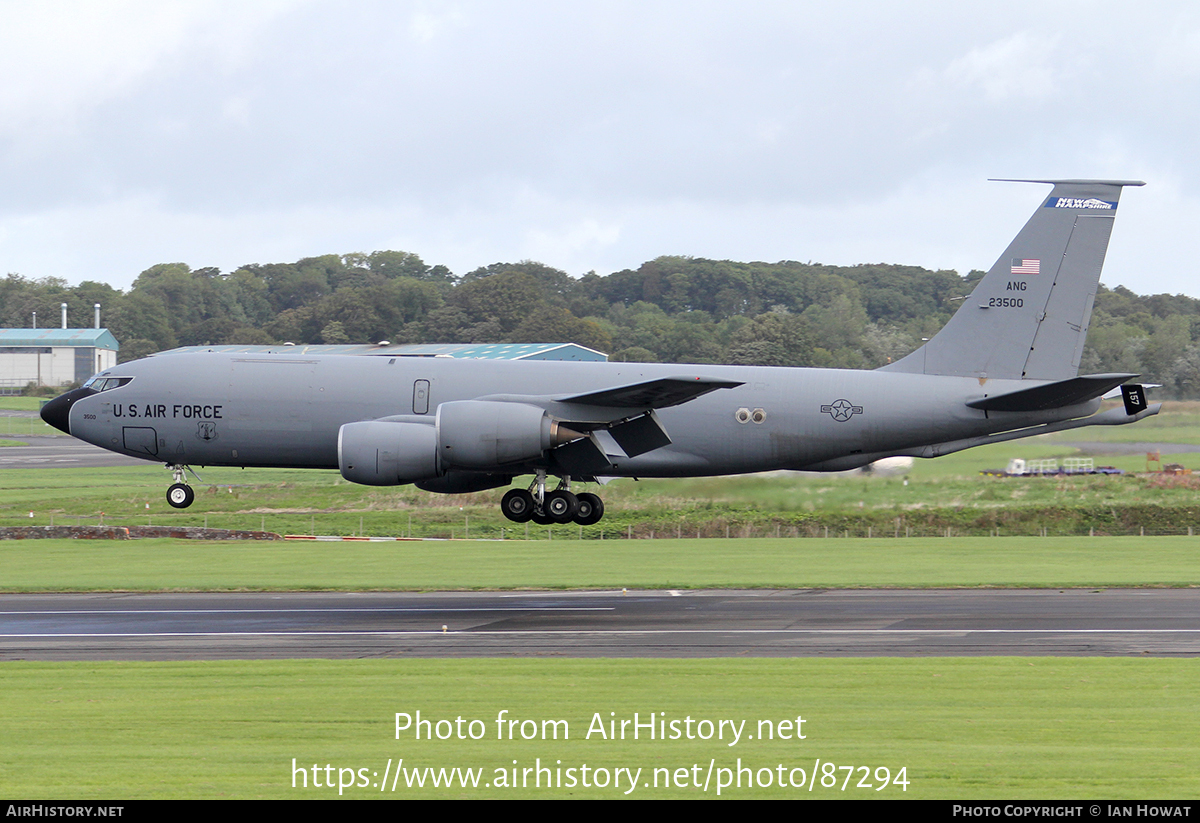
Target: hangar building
x=53 y=357
x=472 y=351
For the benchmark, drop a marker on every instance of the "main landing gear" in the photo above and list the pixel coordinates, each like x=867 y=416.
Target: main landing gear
x=558 y=506
x=180 y=494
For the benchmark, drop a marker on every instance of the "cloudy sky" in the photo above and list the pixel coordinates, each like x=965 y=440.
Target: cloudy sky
x=588 y=136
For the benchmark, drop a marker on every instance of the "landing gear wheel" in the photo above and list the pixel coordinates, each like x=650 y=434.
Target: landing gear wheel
x=180 y=496
x=517 y=505
x=540 y=518
x=560 y=506
x=591 y=509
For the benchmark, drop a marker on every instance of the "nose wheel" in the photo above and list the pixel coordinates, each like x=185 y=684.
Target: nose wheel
x=180 y=494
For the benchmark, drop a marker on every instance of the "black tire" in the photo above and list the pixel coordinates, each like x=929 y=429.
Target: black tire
x=591 y=509
x=540 y=519
x=180 y=496
x=517 y=505
x=560 y=506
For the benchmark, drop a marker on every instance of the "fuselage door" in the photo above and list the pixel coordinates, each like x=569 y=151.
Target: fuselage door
x=421 y=397
x=140 y=439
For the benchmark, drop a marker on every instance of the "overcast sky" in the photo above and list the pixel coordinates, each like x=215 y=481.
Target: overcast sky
x=588 y=136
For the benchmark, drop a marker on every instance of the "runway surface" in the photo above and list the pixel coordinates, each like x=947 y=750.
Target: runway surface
x=1162 y=622
x=60 y=453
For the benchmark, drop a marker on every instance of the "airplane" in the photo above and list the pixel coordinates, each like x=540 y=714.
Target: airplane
x=1004 y=367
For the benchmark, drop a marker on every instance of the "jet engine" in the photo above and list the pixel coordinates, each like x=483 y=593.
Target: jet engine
x=382 y=453
x=471 y=435
x=487 y=434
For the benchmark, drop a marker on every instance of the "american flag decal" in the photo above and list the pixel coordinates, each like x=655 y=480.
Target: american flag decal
x=1022 y=266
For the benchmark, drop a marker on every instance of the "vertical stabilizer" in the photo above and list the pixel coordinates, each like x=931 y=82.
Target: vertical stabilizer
x=1028 y=317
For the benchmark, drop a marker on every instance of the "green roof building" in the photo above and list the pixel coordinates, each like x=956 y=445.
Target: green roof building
x=53 y=357
x=472 y=351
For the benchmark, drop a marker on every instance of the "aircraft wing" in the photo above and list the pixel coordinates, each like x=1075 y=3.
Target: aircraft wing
x=626 y=413
x=1053 y=395
x=652 y=394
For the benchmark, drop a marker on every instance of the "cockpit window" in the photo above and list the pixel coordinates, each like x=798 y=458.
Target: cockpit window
x=105 y=383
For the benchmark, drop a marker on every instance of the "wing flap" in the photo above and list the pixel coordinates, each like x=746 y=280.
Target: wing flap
x=640 y=434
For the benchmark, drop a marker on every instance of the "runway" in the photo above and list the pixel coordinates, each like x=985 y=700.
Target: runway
x=805 y=623
x=51 y=452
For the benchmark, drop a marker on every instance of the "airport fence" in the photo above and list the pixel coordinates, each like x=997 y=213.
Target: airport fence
x=14 y=426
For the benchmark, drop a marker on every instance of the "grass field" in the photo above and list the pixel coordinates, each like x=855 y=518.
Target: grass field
x=22 y=403
x=158 y=565
x=27 y=426
x=1009 y=728
x=321 y=502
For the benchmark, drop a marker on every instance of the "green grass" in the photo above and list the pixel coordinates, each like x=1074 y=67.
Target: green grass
x=153 y=565
x=1002 y=728
x=321 y=502
x=22 y=403
x=27 y=427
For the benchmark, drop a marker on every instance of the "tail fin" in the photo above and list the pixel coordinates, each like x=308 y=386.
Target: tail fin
x=1029 y=315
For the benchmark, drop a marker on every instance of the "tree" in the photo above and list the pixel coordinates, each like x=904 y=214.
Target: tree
x=554 y=324
x=774 y=339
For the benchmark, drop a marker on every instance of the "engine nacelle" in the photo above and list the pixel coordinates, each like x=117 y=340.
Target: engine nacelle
x=487 y=434
x=379 y=453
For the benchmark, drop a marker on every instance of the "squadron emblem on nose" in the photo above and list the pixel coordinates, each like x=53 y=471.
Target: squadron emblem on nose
x=841 y=410
x=206 y=430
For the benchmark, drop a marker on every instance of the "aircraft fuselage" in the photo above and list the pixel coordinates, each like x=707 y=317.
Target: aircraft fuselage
x=217 y=409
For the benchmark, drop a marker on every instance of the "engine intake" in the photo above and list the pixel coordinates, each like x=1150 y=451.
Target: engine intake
x=381 y=453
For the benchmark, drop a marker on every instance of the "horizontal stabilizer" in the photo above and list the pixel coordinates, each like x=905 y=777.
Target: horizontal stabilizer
x=1052 y=395
x=653 y=394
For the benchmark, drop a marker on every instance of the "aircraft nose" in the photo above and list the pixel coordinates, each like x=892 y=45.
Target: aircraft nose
x=58 y=411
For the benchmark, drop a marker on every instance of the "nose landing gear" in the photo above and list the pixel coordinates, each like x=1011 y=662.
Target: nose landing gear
x=558 y=506
x=180 y=494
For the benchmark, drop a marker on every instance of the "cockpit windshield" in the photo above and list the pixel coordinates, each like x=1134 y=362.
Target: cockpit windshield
x=100 y=383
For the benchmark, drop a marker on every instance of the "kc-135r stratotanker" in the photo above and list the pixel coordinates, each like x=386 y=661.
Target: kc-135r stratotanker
x=1005 y=366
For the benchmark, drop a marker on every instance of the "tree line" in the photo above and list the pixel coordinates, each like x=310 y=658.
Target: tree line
x=670 y=309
